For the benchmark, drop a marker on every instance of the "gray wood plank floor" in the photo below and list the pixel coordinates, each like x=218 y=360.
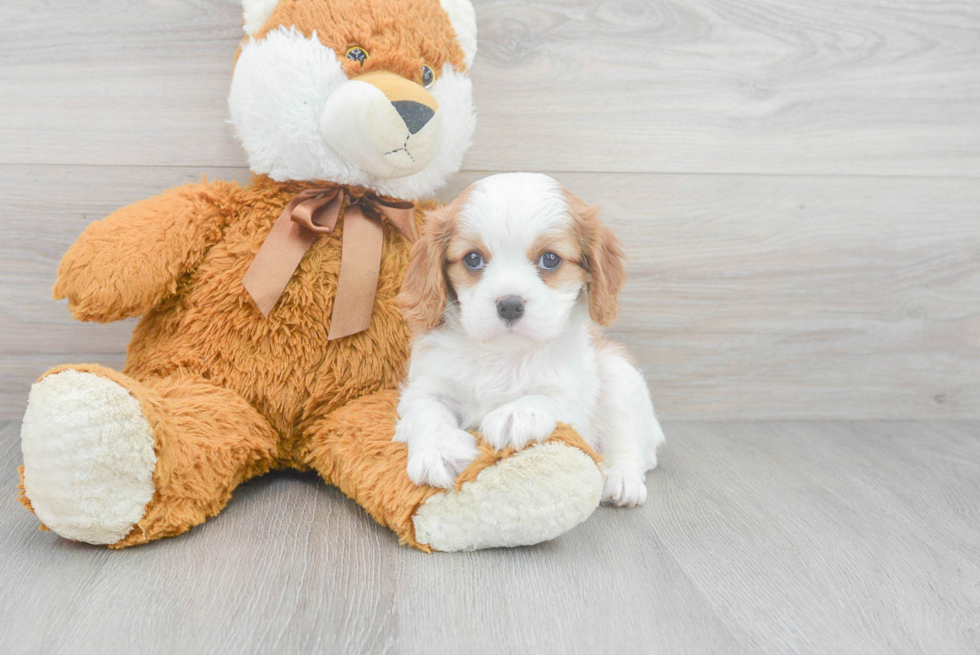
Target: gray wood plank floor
x=781 y=537
x=882 y=87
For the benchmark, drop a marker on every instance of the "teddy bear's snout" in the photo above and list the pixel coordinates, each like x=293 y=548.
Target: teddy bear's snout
x=383 y=123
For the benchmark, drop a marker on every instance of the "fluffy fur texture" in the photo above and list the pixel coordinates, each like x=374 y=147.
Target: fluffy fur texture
x=460 y=14
x=256 y=13
x=213 y=393
x=300 y=114
x=227 y=394
x=520 y=238
x=463 y=18
x=248 y=391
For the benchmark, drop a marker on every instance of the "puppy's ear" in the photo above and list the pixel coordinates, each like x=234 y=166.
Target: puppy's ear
x=602 y=257
x=424 y=290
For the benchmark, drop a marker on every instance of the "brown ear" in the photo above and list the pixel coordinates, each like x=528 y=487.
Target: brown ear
x=602 y=257
x=424 y=290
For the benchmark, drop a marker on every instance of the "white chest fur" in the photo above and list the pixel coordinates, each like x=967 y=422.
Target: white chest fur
x=474 y=379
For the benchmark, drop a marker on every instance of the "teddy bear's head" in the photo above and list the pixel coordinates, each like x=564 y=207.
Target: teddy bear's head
x=373 y=93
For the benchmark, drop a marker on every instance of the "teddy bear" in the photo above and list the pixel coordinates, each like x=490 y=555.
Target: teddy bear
x=270 y=336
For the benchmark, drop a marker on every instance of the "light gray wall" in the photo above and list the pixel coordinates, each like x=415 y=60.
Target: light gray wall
x=796 y=182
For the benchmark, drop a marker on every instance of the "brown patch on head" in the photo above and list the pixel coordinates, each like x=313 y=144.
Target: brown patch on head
x=602 y=257
x=460 y=245
x=425 y=289
x=398 y=35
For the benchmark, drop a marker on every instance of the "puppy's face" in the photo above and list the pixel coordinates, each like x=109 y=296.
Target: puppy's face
x=515 y=251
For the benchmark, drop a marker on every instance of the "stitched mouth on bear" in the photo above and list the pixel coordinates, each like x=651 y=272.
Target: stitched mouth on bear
x=383 y=123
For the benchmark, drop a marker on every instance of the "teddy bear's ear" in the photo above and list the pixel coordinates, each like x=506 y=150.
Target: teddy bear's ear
x=257 y=12
x=463 y=18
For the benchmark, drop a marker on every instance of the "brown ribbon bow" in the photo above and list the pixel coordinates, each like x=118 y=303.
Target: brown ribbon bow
x=312 y=213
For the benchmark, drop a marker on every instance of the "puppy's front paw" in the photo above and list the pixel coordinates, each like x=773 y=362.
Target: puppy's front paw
x=516 y=425
x=438 y=462
x=624 y=486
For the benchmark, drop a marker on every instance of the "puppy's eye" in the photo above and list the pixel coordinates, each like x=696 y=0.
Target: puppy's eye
x=549 y=261
x=357 y=54
x=428 y=76
x=473 y=261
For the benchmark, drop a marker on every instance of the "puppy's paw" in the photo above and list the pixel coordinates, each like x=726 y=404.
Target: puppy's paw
x=438 y=462
x=624 y=486
x=516 y=425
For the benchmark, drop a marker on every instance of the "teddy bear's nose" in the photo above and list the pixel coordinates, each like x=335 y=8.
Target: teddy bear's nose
x=414 y=104
x=415 y=114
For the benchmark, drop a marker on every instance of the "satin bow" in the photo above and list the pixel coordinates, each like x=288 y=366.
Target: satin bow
x=311 y=214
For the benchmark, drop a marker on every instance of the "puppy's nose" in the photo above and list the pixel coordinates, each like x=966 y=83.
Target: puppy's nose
x=415 y=114
x=510 y=308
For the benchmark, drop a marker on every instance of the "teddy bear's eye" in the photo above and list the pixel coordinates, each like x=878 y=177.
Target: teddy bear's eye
x=428 y=76
x=357 y=54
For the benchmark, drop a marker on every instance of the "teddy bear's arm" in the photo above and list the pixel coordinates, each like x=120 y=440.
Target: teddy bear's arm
x=126 y=264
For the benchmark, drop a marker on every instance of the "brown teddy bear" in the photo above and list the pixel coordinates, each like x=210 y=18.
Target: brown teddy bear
x=270 y=337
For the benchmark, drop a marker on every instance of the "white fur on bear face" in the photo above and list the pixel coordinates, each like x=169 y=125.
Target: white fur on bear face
x=279 y=93
x=463 y=19
x=257 y=12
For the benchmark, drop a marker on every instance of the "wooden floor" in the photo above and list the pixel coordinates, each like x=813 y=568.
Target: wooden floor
x=780 y=537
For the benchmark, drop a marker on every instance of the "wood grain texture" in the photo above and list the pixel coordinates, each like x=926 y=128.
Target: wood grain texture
x=749 y=296
x=781 y=537
x=783 y=86
x=797 y=295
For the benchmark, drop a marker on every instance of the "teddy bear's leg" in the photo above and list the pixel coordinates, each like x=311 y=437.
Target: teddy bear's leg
x=504 y=498
x=115 y=461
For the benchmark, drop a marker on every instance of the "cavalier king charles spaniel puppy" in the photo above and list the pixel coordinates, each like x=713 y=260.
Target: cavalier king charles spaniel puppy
x=506 y=290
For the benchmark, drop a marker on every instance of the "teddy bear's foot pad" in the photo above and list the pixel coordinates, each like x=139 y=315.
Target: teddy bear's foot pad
x=536 y=495
x=88 y=457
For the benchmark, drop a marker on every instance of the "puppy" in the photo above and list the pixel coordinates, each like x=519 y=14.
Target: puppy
x=505 y=290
